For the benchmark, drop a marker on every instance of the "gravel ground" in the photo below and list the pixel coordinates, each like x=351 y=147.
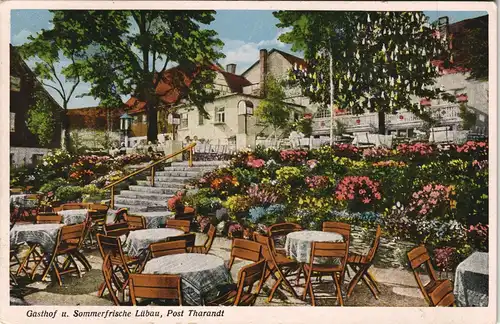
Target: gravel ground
x=398 y=287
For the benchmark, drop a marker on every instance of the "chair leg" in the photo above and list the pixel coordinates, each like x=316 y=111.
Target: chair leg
x=339 y=290
x=308 y=280
x=354 y=281
x=370 y=287
x=102 y=289
x=83 y=260
x=311 y=292
x=372 y=279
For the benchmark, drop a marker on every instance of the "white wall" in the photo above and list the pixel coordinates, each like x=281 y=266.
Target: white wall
x=24 y=155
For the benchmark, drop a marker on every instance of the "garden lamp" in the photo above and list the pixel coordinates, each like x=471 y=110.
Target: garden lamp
x=125 y=123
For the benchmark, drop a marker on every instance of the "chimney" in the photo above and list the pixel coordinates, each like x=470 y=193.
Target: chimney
x=231 y=68
x=263 y=71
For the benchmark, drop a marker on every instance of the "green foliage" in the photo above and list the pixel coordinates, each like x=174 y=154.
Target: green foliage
x=475 y=51
x=272 y=110
x=53 y=185
x=304 y=126
x=92 y=193
x=468 y=117
x=125 y=51
x=381 y=60
x=68 y=193
x=42 y=118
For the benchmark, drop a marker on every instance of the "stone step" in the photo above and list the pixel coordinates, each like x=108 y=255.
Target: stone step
x=201 y=163
x=132 y=208
x=170 y=179
x=144 y=195
x=162 y=184
x=186 y=168
x=154 y=190
x=170 y=173
x=139 y=201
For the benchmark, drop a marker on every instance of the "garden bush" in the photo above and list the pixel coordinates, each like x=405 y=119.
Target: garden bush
x=68 y=193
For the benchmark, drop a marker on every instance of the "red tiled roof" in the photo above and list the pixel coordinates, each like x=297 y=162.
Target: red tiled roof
x=93 y=117
x=235 y=82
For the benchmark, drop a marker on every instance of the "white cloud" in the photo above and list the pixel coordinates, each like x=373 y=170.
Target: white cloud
x=21 y=37
x=244 y=54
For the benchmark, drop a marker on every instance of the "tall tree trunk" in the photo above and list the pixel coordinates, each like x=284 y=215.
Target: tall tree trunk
x=381 y=122
x=66 y=129
x=152 y=114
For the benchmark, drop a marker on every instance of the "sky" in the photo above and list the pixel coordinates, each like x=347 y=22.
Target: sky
x=244 y=33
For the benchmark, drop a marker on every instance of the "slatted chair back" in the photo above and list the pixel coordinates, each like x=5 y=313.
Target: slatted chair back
x=187 y=214
x=116 y=229
x=246 y=250
x=73 y=233
x=56 y=209
x=374 y=248
x=278 y=232
x=183 y=225
x=48 y=218
x=110 y=245
x=110 y=278
x=436 y=292
x=135 y=222
x=98 y=210
x=264 y=241
x=211 y=237
x=188 y=238
x=343 y=229
x=70 y=206
x=248 y=276
x=155 y=286
x=167 y=248
x=339 y=250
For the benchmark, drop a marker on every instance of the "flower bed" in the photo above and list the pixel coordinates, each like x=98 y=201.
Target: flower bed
x=419 y=193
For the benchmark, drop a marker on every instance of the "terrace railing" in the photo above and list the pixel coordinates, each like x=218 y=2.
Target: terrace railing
x=151 y=167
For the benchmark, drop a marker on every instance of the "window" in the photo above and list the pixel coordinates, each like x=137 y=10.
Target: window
x=184 y=120
x=220 y=116
x=12 y=122
x=201 y=119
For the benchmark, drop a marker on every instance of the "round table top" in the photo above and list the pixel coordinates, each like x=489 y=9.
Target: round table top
x=35 y=227
x=153 y=233
x=315 y=236
x=153 y=214
x=183 y=263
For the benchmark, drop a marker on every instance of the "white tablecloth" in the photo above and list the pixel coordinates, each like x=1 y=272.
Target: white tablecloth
x=138 y=241
x=155 y=219
x=200 y=274
x=43 y=234
x=471 y=281
x=73 y=216
x=298 y=244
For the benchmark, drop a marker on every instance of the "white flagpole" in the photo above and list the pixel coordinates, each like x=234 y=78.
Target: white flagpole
x=332 y=110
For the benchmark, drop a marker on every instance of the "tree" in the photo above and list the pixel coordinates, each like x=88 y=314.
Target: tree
x=42 y=118
x=381 y=61
x=128 y=52
x=48 y=51
x=475 y=52
x=272 y=110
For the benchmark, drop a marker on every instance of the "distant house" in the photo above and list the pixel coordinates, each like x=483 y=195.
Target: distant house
x=24 y=146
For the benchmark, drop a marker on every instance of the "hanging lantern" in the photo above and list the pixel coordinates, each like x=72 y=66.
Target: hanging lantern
x=401 y=117
x=358 y=121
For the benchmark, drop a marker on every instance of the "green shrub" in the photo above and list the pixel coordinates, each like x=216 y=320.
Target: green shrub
x=53 y=185
x=68 y=193
x=92 y=193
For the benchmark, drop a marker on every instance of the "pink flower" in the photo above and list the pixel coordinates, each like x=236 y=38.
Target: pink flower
x=350 y=196
x=362 y=191
x=378 y=196
x=366 y=200
x=423 y=211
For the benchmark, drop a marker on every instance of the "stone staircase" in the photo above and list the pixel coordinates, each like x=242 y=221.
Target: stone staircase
x=144 y=198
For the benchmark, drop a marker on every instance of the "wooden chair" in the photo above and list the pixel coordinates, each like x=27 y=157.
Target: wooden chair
x=188 y=214
x=361 y=264
x=167 y=248
x=97 y=214
x=205 y=248
x=71 y=238
x=279 y=231
x=188 y=238
x=116 y=229
x=183 y=225
x=248 y=276
x=332 y=250
x=111 y=279
x=122 y=263
x=436 y=292
x=70 y=206
x=155 y=287
x=48 y=218
x=135 y=222
x=245 y=250
x=276 y=263
x=343 y=229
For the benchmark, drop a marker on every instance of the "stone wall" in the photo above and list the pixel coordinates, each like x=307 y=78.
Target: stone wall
x=20 y=156
x=391 y=252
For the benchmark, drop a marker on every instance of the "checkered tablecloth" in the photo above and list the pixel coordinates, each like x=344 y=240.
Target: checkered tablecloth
x=22 y=201
x=200 y=274
x=73 y=216
x=298 y=244
x=155 y=219
x=43 y=234
x=138 y=241
x=471 y=281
